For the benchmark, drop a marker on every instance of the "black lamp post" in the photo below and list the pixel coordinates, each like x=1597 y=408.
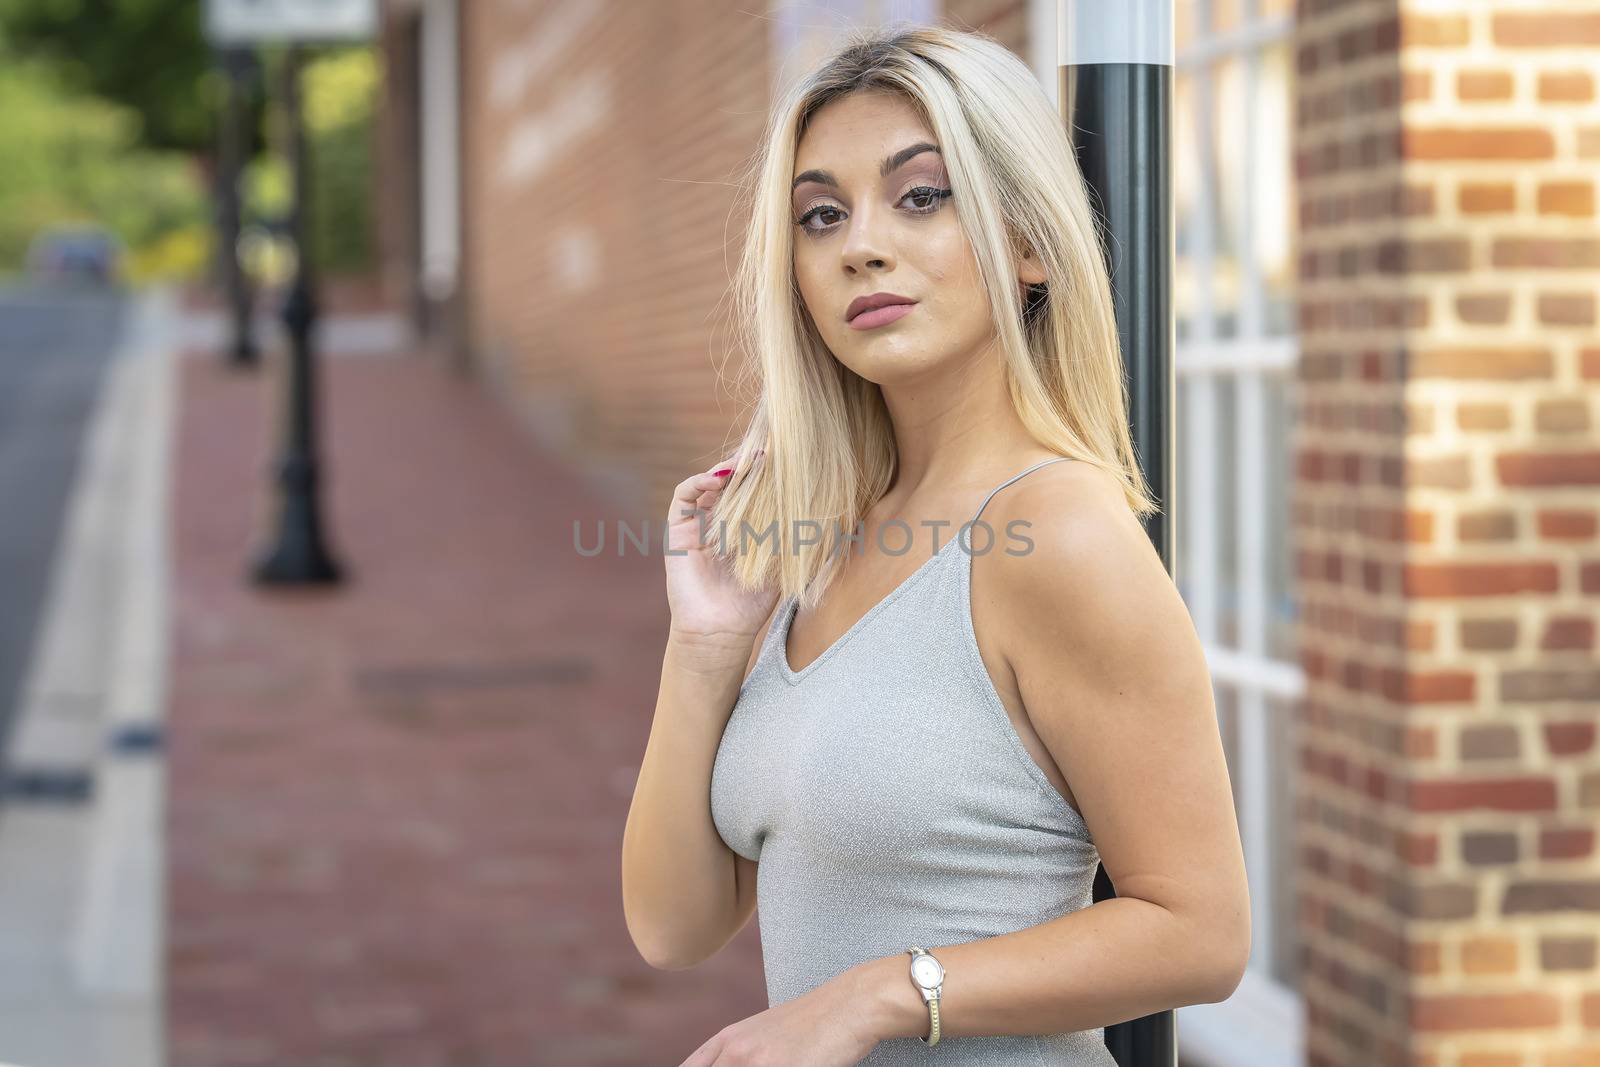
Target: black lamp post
x=1116 y=98
x=238 y=67
x=299 y=555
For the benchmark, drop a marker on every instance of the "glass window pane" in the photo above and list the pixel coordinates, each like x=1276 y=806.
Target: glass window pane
x=1272 y=201
x=1227 y=699
x=1182 y=538
x=1283 y=725
x=1282 y=610
x=1229 y=188
x=1185 y=197
x=1185 y=23
x=1180 y=491
x=1226 y=15
x=1225 y=508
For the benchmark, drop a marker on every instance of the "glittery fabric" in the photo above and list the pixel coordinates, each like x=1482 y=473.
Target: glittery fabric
x=890 y=803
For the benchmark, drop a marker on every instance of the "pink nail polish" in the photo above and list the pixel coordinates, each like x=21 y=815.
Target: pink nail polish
x=723 y=472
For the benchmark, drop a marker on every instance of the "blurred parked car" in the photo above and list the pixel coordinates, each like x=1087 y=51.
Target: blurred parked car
x=75 y=255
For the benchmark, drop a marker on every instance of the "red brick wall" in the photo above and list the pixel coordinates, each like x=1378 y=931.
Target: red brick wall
x=1446 y=520
x=601 y=221
x=1004 y=20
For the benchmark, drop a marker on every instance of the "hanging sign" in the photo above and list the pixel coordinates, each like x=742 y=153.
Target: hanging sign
x=240 y=22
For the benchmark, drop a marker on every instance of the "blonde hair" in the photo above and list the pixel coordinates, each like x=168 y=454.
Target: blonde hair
x=829 y=447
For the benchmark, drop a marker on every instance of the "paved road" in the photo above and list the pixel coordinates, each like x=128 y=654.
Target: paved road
x=54 y=349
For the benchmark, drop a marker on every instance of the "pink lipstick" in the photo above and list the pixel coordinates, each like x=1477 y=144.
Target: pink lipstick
x=867 y=312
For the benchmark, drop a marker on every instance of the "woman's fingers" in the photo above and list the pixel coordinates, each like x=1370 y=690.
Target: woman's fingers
x=687 y=494
x=698 y=493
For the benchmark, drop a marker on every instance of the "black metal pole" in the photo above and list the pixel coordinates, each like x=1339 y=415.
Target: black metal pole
x=1116 y=98
x=299 y=555
x=237 y=64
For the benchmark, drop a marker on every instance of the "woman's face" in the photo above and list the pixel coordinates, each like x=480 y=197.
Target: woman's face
x=873 y=214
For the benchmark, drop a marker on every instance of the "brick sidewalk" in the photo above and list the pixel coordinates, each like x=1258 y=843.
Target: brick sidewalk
x=395 y=808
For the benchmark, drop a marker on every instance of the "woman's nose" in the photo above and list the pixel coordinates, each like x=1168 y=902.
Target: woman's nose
x=866 y=246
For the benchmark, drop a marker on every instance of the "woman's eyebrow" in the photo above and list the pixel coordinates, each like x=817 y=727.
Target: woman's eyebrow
x=889 y=165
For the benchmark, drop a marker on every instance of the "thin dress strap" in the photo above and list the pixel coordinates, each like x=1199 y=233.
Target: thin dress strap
x=1008 y=481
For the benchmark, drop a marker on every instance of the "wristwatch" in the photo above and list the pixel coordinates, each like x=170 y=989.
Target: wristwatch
x=927 y=974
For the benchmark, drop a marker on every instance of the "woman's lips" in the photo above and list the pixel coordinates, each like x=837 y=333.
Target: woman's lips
x=880 y=316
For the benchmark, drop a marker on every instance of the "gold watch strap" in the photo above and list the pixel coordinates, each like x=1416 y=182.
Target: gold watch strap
x=933 y=1007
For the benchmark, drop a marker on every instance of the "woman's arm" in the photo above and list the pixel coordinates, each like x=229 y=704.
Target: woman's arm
x=1115 y=683
x=685 y=894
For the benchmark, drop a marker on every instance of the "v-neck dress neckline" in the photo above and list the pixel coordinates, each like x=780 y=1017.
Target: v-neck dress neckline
x=794 y=677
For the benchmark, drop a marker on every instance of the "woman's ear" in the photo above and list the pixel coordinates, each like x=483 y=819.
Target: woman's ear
x=1029 y=270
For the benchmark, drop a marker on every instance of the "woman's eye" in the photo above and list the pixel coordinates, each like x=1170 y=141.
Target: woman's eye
x=813 y=213
x=929 y=195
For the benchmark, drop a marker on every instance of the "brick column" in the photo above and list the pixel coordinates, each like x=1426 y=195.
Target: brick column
x=1448 y=468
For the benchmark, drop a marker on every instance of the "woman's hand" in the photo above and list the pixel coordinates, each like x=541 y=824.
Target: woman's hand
x=826 y=1027
x=702 y=594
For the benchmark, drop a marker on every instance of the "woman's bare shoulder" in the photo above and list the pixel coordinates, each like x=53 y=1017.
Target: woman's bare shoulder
x=1059 y=506
x=1086 y=556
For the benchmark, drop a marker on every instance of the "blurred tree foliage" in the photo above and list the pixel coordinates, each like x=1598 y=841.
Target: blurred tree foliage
x=150 y=55
x=108 y=112
x=340 y=95
x=75 y=158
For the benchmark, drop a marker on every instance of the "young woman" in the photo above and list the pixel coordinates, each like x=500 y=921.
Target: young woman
x=915 y=735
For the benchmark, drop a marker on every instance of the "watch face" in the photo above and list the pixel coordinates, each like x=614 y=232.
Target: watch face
x=927 y=971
